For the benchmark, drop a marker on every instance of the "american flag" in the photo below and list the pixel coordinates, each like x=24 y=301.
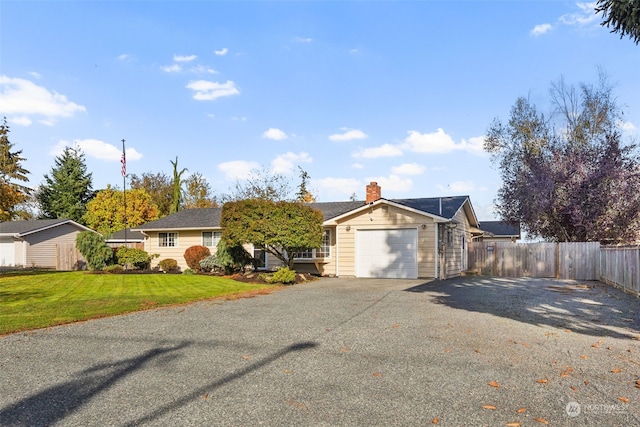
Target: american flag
x=123 y=160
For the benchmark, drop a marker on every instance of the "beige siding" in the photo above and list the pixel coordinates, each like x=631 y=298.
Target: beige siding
x=380 y=217
x=41 y=247
x=186 y=239
x=456 y=246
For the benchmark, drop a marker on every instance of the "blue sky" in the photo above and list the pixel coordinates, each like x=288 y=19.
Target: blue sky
x=396 y=92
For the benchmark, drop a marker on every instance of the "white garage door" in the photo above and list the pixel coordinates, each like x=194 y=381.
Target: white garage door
x=387 y=253
x=7 y=252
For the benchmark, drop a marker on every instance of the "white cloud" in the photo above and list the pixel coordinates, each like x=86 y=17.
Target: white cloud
x=221 y=52
x=237 y=169
x=331 y=188
x=408 y=169
x=541 y=29
x=627 y=127
x=35 y=74
x=584 y=17
x=174 y=68
x=386 y=150
x=20 y=121
x=357 y=166
x=208 y=91
x=203 y=69
x=24 y=98
x=184 y=58
x=285 y=163
x=303 y=39
x=97 y=149
x=124 y=57
x=392 y=183
x=437 y=142
x=461 y=187
x=440 y=142
x=275 y=134
x=348 y=135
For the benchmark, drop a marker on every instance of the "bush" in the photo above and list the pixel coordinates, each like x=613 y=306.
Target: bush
x=232 y=258
x=113 y=269
x=283 y=275
x=188 y=271
x=137 y=258
x=194 y=255
x=94 y=249
x=168 y=265
x=210 y=263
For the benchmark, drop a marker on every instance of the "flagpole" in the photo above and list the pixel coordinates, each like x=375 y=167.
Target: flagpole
x=124 y=190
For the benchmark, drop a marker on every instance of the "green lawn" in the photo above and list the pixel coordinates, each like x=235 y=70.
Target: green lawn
x=32 y=299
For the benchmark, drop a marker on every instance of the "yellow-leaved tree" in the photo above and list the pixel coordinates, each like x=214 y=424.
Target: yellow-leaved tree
x=106 y=211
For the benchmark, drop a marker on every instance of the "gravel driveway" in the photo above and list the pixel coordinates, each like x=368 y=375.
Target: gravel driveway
x=341 y=352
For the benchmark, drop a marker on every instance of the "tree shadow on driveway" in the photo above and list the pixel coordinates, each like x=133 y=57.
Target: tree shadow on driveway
x=589 y=308
x=58 y=402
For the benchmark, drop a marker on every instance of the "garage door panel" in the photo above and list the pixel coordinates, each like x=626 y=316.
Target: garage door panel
x=390 y=253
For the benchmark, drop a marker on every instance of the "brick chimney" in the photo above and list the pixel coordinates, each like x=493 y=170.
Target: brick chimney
x=374 y=192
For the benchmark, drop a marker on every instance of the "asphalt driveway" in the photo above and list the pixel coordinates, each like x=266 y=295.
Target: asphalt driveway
x=341 y=352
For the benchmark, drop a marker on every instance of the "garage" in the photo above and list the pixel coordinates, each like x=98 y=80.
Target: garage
x=388 y=253
x=7 y=252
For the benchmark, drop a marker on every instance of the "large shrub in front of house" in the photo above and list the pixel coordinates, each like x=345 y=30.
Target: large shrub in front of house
x=94 y=249
x=232 y=258
x=136 y=258
x=194 y=254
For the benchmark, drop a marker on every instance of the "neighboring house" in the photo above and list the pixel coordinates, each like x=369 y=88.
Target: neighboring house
x=47 y=243
x=128 y=237
x=500 y=231
x=400 y=238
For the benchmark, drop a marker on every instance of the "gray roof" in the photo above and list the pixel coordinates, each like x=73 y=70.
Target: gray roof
x=30 y=226
x=501 y=228
x=132 y=236
x=203 y=218
x=200 y=218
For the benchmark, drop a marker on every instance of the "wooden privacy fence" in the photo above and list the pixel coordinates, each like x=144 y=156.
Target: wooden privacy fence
x=613 y=265
x=69 y=258
x=578 y=261
x=620 y=267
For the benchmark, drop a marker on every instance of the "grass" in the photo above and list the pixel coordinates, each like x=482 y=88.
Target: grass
x=38 y=299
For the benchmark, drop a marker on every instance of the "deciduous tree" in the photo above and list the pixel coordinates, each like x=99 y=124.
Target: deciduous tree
x=12 y=193
x=262 y=184
x=177 y=186
x=197 y=193
x=572 y=178
x=106 y=212
x=284 y=229
x=159 y=187
x=67 y=189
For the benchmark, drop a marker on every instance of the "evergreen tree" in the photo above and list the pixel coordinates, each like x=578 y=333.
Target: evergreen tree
x=177 y=186
x=68 y=187
x=12 y=194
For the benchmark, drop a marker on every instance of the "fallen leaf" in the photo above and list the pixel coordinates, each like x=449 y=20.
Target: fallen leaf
x=297 y=404
x=344 y=349
x=205 y=397
x=567 y=330
x=541 y=420
x=447 y=350
x=600 y=341
x=638 y=382
x=584 y=357
x=567 y=372
x=493 y=384
x=377 y=374
x=586 y=382
x=521 y=410
x=574 y=388
x=246 y=356
x=287 y=371
x=526 y=344
x=489 y=407
x=637 y=385
x=476 y=350
x=623 y=399
x=609 y=348
x=395 y=325
x=616 y=371
x=595 y=346
x=435 y=421
x=514 y=424
x=542 y=381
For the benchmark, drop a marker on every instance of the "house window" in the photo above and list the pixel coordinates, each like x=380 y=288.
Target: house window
x=210 y=239
x=325 y=249
x=167 y=240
